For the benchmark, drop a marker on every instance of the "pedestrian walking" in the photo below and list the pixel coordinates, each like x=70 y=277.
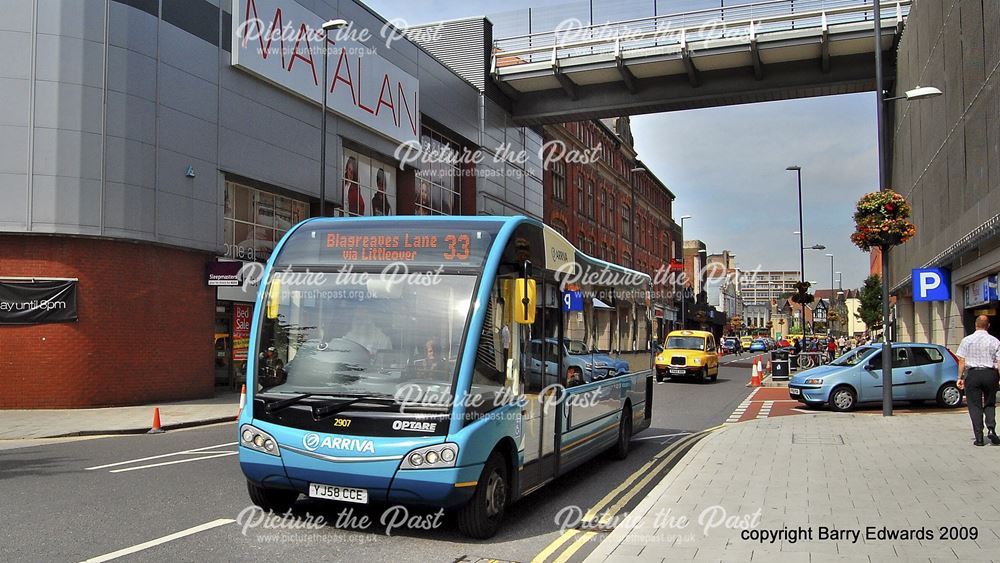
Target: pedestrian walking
x=831 y=350
x=978 y=359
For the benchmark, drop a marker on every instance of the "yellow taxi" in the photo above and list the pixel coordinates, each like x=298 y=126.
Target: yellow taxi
x=745 y=342
x=688 y=352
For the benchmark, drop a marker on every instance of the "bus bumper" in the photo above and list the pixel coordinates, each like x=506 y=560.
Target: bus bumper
x=385 y=483
x=447 y=488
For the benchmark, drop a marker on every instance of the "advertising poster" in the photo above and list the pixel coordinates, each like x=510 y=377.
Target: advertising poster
x=241 y=330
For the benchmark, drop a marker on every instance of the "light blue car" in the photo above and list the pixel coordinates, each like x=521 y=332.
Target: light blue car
x=920 y=372
x=758 y=346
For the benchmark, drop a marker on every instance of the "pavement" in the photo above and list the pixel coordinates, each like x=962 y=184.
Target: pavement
x=795 y=477
x=58 y=423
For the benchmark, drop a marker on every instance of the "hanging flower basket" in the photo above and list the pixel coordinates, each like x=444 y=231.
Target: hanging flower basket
x=882 y=220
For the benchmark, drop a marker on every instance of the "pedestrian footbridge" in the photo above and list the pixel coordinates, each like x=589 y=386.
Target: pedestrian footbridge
x=762 y=51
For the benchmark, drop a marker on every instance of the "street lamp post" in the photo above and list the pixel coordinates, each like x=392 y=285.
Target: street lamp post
x=880 y=101
x=327 y=28
x=802 y=247
x=832 y=293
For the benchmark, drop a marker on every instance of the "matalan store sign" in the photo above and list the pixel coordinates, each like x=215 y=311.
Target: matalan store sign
x=282 y=42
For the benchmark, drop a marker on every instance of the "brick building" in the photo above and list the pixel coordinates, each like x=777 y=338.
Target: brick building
x=613 y=208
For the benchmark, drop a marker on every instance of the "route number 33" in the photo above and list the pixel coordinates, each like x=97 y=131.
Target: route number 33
x=458 y=247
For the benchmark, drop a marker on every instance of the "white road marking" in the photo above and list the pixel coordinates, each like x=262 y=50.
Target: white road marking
x=224 y=454
x=742 y=408
x=160 y=456
x=158 y=541
x=765 y=409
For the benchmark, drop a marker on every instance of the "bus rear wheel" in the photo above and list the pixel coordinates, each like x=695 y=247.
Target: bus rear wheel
x=624 y=443
x=480 y=518
x=275 y=500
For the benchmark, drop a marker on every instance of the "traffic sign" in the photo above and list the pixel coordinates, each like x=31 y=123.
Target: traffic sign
x=931 y=284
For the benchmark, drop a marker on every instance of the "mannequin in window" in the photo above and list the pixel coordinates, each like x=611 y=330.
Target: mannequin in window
x=380 y=201
x=355 y=201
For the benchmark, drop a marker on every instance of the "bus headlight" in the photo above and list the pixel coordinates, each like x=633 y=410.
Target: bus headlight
x=258 y=440
x=431 y=457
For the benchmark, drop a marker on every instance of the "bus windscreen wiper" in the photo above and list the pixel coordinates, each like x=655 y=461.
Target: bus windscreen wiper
x=276 y=406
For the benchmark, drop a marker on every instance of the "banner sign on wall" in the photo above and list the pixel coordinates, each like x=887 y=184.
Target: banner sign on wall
x=282 y=42
x=34 y=302
x=224 y=273
x=981 y=292
x=241 y=330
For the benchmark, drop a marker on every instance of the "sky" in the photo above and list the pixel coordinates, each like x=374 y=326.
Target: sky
x=727 y=165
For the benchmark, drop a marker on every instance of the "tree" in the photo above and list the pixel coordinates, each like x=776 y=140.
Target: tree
x=870 y=311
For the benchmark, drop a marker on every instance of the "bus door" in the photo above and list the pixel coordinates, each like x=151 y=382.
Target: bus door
x=537 y=356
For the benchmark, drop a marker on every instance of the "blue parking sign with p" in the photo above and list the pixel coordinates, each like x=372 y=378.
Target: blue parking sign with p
x=572 y=300
x=931 y=284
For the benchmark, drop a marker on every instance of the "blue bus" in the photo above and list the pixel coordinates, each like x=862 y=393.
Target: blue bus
x=452 y=362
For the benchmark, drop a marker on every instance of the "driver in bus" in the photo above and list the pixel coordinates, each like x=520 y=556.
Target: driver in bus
x=365 y=332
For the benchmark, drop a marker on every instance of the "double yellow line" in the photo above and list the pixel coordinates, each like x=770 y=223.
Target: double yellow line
x=630 y=487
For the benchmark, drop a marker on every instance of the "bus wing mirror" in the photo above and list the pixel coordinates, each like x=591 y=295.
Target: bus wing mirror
x=524 y=301
x=273 y=298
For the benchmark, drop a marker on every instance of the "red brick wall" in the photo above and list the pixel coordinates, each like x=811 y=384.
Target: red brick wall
x=144 y=333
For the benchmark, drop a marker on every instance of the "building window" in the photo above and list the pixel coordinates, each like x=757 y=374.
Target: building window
x=255 y=220
x=560 y=228
x=604 y=207
x=579 y=193
x=626 y=226
x=559 y=180
x=611 y=213
x=437 y=189
x=590 y=199
x=369 y=186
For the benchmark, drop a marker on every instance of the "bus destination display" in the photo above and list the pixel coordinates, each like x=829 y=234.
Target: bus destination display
x=442 y=247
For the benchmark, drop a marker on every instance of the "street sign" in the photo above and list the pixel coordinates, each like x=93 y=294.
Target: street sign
x=572 y=301
x=931 y=284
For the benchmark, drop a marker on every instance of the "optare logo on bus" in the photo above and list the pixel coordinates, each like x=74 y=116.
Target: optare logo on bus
x=414 y=426
x=313 y=442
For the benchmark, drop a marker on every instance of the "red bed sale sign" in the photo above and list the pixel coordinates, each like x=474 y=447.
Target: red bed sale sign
x=282 y=43
x=241 y=330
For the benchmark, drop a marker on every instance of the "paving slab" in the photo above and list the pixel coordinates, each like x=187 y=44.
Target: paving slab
x=878 y=476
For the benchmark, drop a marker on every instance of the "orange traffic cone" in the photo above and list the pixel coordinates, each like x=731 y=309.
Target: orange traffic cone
x=754 y=377
x=156 y=422
x=243 y=401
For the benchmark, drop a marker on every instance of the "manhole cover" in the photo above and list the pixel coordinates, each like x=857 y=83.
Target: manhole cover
x=478 y=559
x=818 y=439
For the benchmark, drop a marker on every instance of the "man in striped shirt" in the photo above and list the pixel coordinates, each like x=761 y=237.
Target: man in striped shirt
x=980 y=353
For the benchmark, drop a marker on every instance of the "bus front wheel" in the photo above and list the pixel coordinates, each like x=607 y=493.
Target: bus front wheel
x=480 y=518
x=275 y=500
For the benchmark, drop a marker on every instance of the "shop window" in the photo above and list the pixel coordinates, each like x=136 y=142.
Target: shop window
x=369 y=185
x=255 y=220
x=438 y=188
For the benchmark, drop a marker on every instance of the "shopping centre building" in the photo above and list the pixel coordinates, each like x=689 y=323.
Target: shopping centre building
x=945 y=158
x=144 y=145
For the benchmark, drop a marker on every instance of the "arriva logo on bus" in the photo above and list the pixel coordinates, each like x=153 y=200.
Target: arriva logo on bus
x=313 y=442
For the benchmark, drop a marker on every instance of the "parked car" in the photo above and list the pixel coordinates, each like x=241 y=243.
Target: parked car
x=784 y=343
x=758 y=346
x=731 y=345
x=688 y=352
x=921 y=372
